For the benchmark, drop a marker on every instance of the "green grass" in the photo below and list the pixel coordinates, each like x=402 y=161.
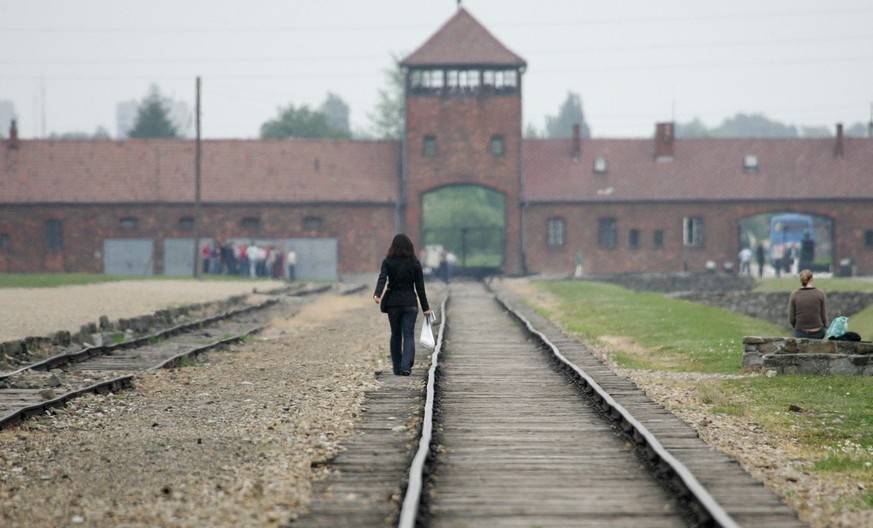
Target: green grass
x=679 y=335
x=828 y=418
x=52 y=280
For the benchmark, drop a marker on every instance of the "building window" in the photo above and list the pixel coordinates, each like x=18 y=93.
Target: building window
x=313 y=223
x=54 y=237
x=426 y=81
x=633 y=239
x=692 y=231
x=186 y=223
x=250 y=223
x=556 y=232
x=607 y=233
x=497 y=146
x=868 y=238
x=469 y=79
x=452 y=79
x=429 y=147
x=658 y=239
x=750 y=163
x=128 y=223
x=600 y=165
x=4 y=241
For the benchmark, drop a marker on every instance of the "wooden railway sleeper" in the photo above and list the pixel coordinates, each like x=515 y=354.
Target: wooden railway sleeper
x=93 y=351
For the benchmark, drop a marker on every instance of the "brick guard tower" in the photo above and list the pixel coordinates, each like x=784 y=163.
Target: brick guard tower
x=463 y=125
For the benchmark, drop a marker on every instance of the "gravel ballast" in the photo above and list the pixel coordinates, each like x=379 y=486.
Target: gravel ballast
x=229 y=442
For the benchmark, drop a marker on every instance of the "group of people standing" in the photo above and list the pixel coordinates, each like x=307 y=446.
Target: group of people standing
x=256 y=261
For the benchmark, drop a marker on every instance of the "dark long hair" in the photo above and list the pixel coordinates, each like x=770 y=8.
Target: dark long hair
x=401 y=247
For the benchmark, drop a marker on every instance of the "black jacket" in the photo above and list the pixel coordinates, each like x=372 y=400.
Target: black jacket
x=405 y=279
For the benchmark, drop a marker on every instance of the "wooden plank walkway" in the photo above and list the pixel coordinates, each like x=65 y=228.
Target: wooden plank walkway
x=518 y=447
x=365 y=480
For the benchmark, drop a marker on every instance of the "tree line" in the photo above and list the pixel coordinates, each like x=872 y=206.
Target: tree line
x=331 y=120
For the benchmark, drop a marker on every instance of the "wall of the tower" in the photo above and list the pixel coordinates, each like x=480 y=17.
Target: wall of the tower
x=470 y=139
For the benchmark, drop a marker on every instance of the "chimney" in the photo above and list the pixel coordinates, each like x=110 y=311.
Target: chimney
x=664 y=141
x=13 y=134
x=839 y=148
x=577 y=144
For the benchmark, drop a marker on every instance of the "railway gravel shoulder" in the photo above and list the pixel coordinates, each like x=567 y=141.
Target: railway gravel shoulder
x=233 y=440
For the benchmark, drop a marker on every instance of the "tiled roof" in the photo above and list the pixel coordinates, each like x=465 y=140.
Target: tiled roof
x=312 y=170
x=463 y=41
x=289 y=170
x=701 y=169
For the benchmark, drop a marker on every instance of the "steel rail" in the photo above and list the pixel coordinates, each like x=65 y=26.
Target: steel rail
x=711 y=507
x=415 y=484
x=176 y=360
x=92 y=351
x=126 y=381
x=19 y=415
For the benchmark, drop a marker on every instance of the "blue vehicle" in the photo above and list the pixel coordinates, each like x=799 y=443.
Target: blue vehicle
x=792 y=237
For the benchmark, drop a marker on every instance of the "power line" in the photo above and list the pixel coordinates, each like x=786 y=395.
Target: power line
x=345 y=74
x=407 y=27
x=340 y=58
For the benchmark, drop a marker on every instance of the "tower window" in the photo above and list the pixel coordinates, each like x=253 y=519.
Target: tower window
x=498 y=146
x=429 y=146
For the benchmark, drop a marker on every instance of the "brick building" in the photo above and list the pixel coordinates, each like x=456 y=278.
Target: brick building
x=659 y=204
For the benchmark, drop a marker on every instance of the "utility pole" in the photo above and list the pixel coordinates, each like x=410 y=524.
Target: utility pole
x=870 y=124
x=197 y=219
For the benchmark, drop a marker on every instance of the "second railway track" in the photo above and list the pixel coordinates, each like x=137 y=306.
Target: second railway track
x=33 y=389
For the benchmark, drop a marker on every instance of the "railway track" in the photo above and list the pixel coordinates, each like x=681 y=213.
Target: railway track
x=520 y=426
x=35 y=388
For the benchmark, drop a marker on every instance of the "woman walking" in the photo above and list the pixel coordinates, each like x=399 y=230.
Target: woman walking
x=402 y=271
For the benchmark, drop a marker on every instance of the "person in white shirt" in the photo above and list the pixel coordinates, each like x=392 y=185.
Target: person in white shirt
x=745 y=257
x=291 y=262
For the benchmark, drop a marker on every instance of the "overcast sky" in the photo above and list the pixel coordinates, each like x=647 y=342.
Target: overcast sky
x=66 y=64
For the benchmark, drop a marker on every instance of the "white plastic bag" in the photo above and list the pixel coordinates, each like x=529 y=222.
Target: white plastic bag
x=426 y=340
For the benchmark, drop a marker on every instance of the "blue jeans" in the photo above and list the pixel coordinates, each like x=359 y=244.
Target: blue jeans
x=818 y=334
x=402 y=321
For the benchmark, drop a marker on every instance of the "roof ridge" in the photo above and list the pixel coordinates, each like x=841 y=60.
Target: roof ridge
x=462 y=40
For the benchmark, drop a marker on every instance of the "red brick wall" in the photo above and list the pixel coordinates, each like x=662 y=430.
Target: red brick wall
x=463 y=127
x=721 y=241
x=363 y=232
